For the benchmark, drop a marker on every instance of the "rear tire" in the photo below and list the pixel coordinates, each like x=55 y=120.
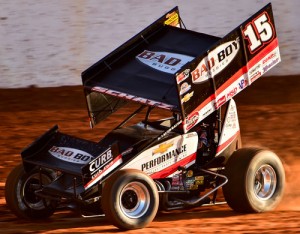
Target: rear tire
x=20 y=197
x=130 y=199
x=256 y=180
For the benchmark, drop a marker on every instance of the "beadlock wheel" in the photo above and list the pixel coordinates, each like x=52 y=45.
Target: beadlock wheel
x=134 y=200
x=130 y=199
x=265 y=182
x=20 y=194
x=256 y=180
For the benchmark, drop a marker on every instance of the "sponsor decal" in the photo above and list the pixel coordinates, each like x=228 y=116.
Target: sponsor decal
x=163 y=159
x=164 y=61
x=184 y=88
x=215 y=61
x=254 y=69
x=187 y=97
x=99 y=162
x=70 y=155
x=126 y=152
x=220 y=101
x=182 y=76
x=169 y=130
x=166 y=158
x=270 y=57
x=162 y=148
x=133 y=98
x=192 y=121
x=104 y=171
x=206 y=112
x=172 y=19
x=254 y=72
x=255 y=76
x=230 y=121
x=270 y=65
x=231 y=93
x=243 y=84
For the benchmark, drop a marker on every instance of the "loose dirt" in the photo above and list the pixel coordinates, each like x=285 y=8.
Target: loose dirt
x=269 y=114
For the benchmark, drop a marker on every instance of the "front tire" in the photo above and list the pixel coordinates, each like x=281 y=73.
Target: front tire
x=256 y=180
x=130 y=199
x=20 y=193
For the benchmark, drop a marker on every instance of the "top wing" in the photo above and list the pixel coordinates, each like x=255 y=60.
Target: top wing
x=181 y=70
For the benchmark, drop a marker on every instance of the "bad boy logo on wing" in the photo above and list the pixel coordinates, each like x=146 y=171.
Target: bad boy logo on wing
x=215 y=61
x=70 y=154
x=164 y=61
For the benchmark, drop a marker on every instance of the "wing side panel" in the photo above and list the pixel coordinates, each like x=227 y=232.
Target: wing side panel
x=228 y=67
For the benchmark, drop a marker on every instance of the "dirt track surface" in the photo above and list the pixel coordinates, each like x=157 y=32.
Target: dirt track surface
x=269 y=114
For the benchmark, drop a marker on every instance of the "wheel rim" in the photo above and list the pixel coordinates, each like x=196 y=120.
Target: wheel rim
x=134 y=200
x=28 y=191
x=265 y=182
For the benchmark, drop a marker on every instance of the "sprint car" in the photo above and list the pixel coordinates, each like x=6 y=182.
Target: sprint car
x=176 y=162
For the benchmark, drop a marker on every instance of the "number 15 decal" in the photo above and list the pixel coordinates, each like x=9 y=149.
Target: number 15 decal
x=259 y=32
